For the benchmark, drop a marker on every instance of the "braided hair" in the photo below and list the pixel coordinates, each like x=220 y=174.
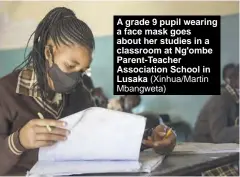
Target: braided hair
x=63 y=27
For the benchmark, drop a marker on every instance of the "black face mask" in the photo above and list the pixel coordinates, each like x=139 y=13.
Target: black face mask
x=64 y=82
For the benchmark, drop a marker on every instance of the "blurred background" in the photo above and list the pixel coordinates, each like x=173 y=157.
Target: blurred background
x=19 y=19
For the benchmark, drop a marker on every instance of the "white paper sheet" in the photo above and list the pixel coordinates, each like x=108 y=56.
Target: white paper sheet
x=101 y=134
x=148 y=161
x=83 y=167
x=204 y=148
x=104 y=141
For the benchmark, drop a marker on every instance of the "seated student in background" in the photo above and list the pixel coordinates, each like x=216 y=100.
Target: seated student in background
x=125 y=103
x=88 y=82
x=50 y=82
x=227 y=70
x=218 y=121
x=129 y=102
x=97 y=93
x=115 y=104
x=99 y=97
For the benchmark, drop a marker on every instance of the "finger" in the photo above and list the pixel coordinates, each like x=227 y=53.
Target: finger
x=154 y=134
x=161 y=128
x=162 y=143
x=148 y=143
x=49 y=122
x=50 y=137
x=55 y=130
x=161 y=134
x=166 y=142
x=44 y=143
x=158 y=134
x=172 y=137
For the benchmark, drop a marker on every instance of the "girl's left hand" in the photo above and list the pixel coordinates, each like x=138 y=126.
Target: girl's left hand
x=158 y=141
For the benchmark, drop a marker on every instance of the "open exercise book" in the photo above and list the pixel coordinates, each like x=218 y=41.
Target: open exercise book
x=101 y=141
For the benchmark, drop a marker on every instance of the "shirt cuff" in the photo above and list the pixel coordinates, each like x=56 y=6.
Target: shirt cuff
x=147 y=133
x=14 y=144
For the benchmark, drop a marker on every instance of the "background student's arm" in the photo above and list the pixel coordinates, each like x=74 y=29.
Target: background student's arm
x=10 y=147
x=218 y=122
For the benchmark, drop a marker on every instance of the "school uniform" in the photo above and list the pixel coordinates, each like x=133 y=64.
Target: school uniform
x=20 y=102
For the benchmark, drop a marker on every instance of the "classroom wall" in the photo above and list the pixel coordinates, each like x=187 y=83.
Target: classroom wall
x=18 y=19
x=180 y=107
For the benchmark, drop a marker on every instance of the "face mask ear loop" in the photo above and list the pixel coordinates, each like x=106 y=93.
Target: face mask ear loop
x=89 y=91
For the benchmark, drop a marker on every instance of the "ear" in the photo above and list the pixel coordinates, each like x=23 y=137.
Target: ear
x=48 y=55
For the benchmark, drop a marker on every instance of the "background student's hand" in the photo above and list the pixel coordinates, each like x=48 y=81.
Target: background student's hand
x=114 y=104
x=35 y=133
x=160 y=144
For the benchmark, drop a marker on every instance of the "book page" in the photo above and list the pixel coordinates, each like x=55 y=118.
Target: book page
x=99 y=134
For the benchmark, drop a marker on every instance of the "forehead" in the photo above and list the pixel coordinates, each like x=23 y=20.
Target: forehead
x=75 y=53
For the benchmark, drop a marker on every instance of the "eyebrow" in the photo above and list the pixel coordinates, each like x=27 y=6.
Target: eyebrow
x=75 y=62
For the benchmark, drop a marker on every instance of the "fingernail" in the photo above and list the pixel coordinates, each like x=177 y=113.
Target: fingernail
x=155 y=144
x=162 y=133
x=64 y=124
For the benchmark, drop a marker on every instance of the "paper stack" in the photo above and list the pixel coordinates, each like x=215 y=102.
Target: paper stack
x=101 y=141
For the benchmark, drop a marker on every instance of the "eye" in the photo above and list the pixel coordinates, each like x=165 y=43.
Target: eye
x=69 y=66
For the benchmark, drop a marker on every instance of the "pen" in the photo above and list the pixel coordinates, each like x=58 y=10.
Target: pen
x=169 y=132
x=41 y=117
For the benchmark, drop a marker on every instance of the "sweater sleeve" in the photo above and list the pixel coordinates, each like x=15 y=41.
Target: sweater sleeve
x=10 y=147
x=218 y=121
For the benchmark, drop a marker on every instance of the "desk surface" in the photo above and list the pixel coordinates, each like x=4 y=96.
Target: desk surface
x=177 y=165
x=185 y=165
